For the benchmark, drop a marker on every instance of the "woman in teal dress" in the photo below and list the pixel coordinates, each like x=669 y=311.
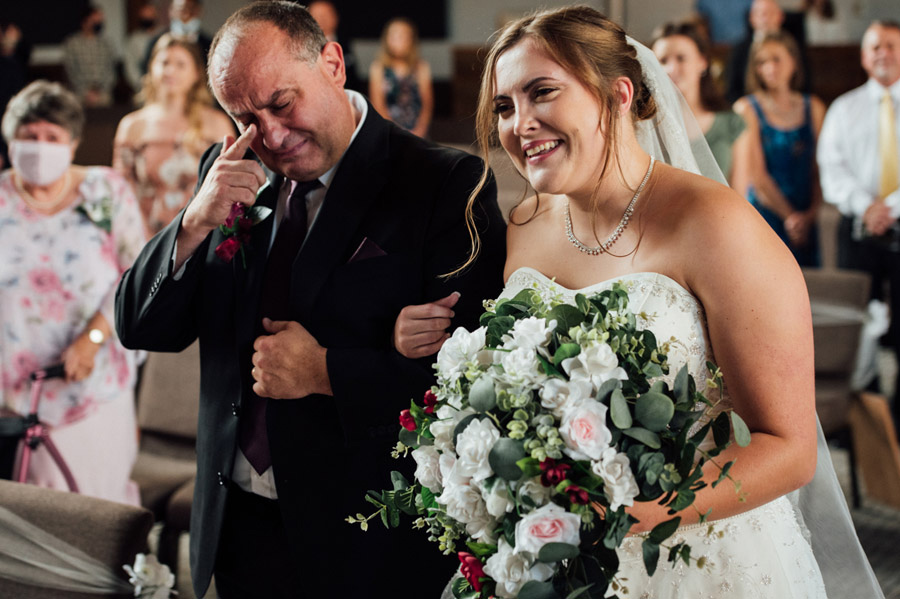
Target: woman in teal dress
x=784 y=179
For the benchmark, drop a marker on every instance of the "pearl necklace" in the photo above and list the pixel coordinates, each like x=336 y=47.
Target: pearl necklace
x=629 y=210
x=48 y=205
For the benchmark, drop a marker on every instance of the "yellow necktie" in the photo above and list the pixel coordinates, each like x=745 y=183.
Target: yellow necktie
x=887 y=147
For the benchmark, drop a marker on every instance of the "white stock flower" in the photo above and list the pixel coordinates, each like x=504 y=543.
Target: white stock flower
x=557 y=394
x=449 y=474
x=498 y=500
x=443 y=427
x=530 y=333
x=521 y=368
x=459 y=350
x=532 y=488
x=512 y=570
x=596 y=363
x=547 y=524
x=464 y=504
x=619 y=483
x=428 y=470
x=473 y=446
x=584 y=430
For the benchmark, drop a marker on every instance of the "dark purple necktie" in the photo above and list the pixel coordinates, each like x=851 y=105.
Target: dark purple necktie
x=274 y=303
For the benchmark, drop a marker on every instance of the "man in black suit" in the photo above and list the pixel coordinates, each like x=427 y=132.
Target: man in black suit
x=308 y=339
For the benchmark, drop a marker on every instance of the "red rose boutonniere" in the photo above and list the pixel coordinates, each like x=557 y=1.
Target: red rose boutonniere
x=236 y=229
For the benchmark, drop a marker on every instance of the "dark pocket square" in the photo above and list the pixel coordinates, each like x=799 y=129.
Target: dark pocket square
x=367 y=249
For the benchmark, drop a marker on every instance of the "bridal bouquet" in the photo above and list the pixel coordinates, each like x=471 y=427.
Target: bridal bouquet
x=546 y=423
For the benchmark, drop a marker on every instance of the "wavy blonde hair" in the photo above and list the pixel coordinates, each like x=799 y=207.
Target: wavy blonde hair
x=384 y=54
x=198 y=96
x=588 y=45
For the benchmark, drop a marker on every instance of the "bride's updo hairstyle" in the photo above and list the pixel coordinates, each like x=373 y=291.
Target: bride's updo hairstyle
x=589 y=46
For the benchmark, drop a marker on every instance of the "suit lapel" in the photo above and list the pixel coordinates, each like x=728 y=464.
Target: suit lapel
x=358 y=181
x=248 y=280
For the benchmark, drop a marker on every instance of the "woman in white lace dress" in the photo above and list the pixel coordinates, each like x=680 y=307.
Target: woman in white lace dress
x=566 y=95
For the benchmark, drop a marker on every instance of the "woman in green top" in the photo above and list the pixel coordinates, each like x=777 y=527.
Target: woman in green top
x=684 y=52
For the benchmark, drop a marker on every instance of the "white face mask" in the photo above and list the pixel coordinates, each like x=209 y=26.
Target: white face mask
x=40 y=162
x=178 y=27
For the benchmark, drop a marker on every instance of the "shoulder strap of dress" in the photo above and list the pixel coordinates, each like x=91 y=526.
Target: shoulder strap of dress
x=759 y=111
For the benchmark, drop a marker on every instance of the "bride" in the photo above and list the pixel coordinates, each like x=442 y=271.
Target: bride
x=572 y=101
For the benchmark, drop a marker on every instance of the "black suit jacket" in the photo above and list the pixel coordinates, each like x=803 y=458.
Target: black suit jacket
x=408 y=197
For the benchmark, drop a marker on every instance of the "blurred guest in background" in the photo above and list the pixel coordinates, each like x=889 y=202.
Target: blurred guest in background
x=184 y=22
x=89 y=62
x=14 y=55
x=400 y=81
x=68 y=233
x=822 y=24
x=726 y=20
x=859 y=157
x=137 y=43
x=684 y=52
x=784 y=178
x=158 y=147
x=328 y=19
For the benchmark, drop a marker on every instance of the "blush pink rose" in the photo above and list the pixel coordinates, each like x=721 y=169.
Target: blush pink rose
x=547 y=524
x=584 y=430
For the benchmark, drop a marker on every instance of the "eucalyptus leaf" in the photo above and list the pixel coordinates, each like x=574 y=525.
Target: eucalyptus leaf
x=654 y=410
x=741 y=432
x=482 y=396
x=512 y=308
x=537 y=590
x=582 y=302
x=648 y=438
x=566 y=317
x=681 y=388
x=618 y=410
x=556 y=552
x=664 y=530
x=399 y=481
x=652 y=370
x=406 y=501
x=721 y=429
x=566 y=350
x=579 y=592
x=413 y=439
x=650 y=551
x=503 y=457
x=606 y=390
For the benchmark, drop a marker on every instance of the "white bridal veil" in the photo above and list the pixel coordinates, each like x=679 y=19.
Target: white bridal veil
x=673 y=136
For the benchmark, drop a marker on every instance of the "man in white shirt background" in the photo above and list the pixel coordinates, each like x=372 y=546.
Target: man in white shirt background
x=858 y=164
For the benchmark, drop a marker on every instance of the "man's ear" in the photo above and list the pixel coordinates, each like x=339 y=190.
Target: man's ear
x=332 y=60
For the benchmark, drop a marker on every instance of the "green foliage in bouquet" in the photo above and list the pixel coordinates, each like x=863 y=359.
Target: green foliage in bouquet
x=546 y=423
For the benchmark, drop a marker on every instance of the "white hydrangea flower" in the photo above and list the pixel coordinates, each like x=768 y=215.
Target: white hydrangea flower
x=512 y=570
x=443 y=427
x=473 y=446
x=521 y=368
x=531 y=333
x=596 y=363
x=458 y=351
x=498 y=500
x=557 y=393
x=619 y=483
x=464 y=504
x=584 y=430
x=533 y=489
x=428 y=470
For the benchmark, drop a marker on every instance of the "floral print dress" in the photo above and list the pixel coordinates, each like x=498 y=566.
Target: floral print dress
x=56 y=272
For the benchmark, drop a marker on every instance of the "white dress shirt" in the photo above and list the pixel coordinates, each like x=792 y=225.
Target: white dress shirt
x=848 y=157
x=243 y=473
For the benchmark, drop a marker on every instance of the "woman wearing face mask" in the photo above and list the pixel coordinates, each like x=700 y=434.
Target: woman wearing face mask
x=683 y=51
x=158 y=147
x=68 y=234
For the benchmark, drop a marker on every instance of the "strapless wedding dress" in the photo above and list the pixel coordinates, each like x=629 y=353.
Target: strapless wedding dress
x=762 y=553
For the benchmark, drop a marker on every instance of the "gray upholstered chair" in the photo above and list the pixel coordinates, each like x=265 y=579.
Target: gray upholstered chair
x=107 y=532
x=839 y=299
x=168 y=401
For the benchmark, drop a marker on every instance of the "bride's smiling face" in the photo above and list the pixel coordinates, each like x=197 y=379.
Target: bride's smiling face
x=548 y=122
